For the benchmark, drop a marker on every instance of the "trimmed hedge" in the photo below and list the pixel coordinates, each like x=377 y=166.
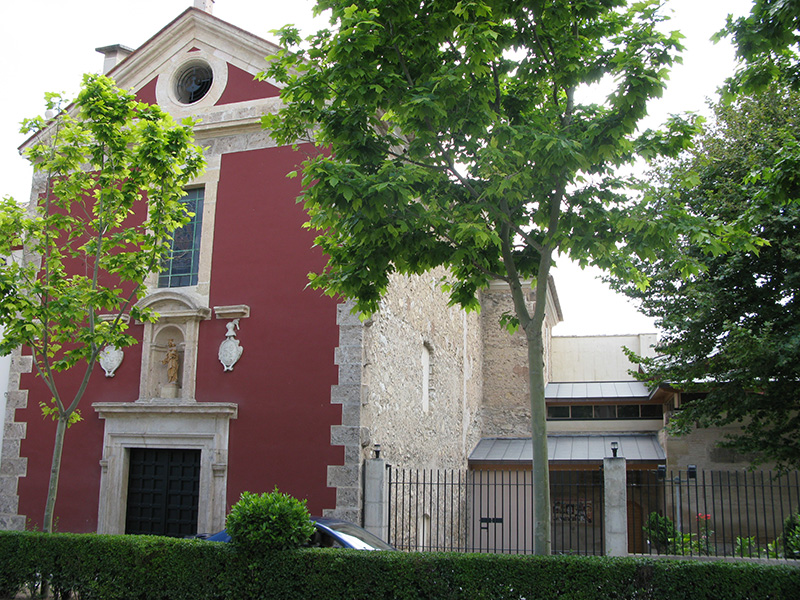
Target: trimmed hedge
x=143 y=567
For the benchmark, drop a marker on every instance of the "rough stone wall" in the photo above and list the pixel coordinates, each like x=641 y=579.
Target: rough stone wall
x=506 y=404
x=12 y=466
x=414 y=315
x=699 y=448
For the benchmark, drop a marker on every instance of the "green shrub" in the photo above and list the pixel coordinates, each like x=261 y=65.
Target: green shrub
x=746 y=547
x=273 y=521
x=117 y=567
x=791 y=536
x=660 y=532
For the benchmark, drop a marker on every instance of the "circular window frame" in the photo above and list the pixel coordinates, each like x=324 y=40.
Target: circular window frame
x=166 y=84
x=180 y=79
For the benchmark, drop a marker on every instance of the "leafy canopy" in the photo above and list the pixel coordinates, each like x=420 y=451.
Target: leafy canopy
x=113 y=171
x=454 y=136
x=457 y=137
x=733 y=329
x=767 y=41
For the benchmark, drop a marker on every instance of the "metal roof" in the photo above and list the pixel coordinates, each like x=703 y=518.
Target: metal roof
x=597 y=390
x=634 y=447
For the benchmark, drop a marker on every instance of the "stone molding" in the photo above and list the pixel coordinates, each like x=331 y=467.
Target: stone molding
x=179 y=316
x=164 y=424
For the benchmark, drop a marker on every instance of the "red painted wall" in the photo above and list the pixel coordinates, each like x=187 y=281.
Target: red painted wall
x=76 y=508
x=79 y=490
x=242 y=87
x=282 y=382
x=261 y=258
x=148 y=92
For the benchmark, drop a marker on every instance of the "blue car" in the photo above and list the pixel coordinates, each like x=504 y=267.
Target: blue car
x=330 y=533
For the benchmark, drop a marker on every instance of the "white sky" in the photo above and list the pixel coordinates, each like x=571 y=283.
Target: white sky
x=46 y=45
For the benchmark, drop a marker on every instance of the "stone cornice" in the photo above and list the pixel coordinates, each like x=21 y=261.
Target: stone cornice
x=140 y=408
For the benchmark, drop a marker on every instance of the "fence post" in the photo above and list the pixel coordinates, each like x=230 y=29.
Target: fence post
x=376 y=497
x=615 y=506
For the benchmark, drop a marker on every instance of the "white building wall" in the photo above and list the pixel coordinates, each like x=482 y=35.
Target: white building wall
x=597 y=358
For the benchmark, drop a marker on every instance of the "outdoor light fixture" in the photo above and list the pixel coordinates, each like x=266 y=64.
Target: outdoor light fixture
x=377 y=450
x=661 y=471
x=614 y=448
x=691 y=471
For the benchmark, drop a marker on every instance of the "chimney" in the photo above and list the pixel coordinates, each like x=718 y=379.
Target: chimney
x=114 y=54
x=206 y=5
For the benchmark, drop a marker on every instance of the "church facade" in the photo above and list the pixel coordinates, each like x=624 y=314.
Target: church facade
x=250 y=381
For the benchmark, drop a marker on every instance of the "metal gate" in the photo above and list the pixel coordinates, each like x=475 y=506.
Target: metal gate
x=491 y=510
x=163 y=491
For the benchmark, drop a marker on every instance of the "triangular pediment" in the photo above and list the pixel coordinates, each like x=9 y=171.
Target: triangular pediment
x=232 y=55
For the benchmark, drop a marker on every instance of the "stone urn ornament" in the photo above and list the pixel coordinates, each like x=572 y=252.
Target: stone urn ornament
x=229 y=350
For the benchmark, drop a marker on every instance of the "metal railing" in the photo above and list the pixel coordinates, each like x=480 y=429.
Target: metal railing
x=576 y=498
x=428 y=509
x=714 y=513
x=491 y=511
x=691 y=513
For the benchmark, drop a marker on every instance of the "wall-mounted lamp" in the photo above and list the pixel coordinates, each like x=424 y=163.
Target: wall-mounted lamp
x=377 y=450
x=614 y=448
x=661 y=472
x=691 y=471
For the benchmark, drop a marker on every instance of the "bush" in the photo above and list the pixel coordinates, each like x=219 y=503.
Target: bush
x=791 y=536
x=107 y=567
x=273 y=521
x=660 y=532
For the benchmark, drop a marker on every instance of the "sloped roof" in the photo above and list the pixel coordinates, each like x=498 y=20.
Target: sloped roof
x=192 y=23
x=566 y=448
x=195 y=35
x=596 y=390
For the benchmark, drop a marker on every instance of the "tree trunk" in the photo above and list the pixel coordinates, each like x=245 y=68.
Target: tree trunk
x=55 y=469
x=541 y=465
x=540 y=469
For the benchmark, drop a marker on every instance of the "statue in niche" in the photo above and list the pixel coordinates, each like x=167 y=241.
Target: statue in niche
x=172 y=360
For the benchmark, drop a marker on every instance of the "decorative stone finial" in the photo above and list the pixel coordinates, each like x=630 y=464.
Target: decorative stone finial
x=206 y=5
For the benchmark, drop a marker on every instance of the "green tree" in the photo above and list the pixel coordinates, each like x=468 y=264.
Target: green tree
x=457 y=138
x=78 y=256
x=733 y=329
x=767 y=41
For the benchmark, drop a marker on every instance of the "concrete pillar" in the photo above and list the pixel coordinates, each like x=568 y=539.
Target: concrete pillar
x=376 y=498
x=615 y=509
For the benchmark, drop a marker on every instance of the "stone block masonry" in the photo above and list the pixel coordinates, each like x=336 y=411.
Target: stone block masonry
x=12 y=466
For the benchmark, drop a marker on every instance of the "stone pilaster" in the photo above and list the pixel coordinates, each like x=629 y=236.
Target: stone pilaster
x=12 y=465
x=350 y=434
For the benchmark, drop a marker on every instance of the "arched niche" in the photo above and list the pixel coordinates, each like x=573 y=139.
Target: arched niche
x=179 y=317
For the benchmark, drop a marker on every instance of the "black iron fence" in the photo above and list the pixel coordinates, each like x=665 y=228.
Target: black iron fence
x=714 y=513
x=719 y=513
x=490 y=511
x=576 y=500
x=428 y=509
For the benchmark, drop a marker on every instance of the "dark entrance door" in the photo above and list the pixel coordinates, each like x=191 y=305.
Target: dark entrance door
x=163 y=491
